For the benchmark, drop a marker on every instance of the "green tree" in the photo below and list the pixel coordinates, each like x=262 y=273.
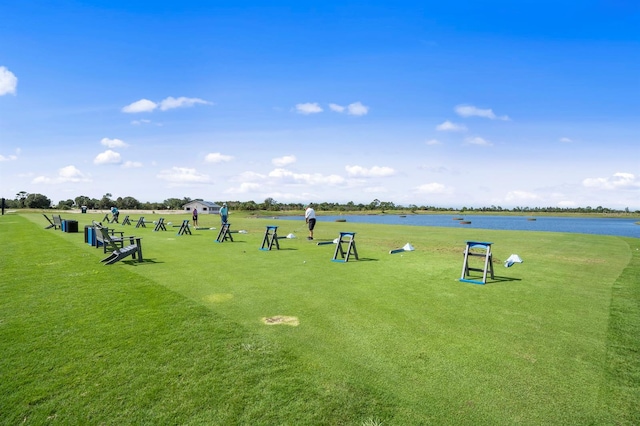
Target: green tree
x=37 y=201
x=129 y=203
x=249 y=205
x=65 y=204
x=83 y=200
x=106 y=202
x=270 y=204
x=21 y=197
x=387 y=205
x=174 y=203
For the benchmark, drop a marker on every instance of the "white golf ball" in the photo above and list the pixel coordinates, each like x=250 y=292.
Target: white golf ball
x=304 y=261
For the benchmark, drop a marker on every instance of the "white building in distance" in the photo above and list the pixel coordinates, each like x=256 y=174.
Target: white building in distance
x=204 y=207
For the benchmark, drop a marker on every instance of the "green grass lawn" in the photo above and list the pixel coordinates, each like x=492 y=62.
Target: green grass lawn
x=389 y=339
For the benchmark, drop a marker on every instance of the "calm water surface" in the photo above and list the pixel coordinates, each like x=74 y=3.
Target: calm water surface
x=581 y=225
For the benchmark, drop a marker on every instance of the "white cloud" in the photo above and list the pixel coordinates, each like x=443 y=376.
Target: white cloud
x=471 y=111
x=477 y=140
x=330 y=179
x=432 y=188
x=375 y=190
x=448 y=126
x=143 y=105
x=113 y=143
x=131 y=165
x=72 y=174
x=108 y=157
x=216 y=157
x=179 y=176
x=42 y=179
x=244 y=188
x=308 y=108
x=287 y=176
x=433 y=142
x=140 y=122
x=357 y=108
x=375 y=171
x=565 y=140
x=181 y=102
x=8 y=82
x=8 y=158
x=617 y=181
x=567 y=204
x=284 y=161
x=521 y=196
x=68 y=174
x=249 y=177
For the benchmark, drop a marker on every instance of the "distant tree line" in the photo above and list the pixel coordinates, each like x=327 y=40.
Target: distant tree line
x=39 y=201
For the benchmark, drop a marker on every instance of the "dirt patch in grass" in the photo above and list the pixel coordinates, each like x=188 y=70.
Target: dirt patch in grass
x=281 y=319
x=218 y=297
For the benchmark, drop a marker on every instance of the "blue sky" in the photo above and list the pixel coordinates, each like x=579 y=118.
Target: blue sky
x=464 y=103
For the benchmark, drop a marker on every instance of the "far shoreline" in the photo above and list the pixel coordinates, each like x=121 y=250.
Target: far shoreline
x=276 y=213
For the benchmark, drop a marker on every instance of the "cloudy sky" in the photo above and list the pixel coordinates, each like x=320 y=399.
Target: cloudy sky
x=465 y=103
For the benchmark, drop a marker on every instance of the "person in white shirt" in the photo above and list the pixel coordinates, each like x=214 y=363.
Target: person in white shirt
x=310 y=219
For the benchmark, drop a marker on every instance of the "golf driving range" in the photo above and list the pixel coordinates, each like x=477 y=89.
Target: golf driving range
x=226 y=333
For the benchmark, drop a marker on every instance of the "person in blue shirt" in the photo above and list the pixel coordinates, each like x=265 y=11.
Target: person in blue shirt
x=224 y=213
x=115 y=213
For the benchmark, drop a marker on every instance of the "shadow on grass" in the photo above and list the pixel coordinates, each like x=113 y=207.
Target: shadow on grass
x=229 y=242
x=134 y=262
x=280 y=249
x=495 y=280
x=362 y=259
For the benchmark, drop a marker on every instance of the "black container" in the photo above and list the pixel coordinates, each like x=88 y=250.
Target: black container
x=71 y=226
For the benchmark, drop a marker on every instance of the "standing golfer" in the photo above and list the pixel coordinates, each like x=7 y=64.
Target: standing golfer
x=224 y=213
x=195 y=216
x=115 y=213
x=310 y=219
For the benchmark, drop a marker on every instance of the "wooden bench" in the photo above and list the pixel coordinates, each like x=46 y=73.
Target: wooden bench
x=119 y=252
x=118 y=239
x=55 y=222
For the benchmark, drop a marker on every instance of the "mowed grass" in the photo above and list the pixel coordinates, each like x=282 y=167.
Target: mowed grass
x=389 y=339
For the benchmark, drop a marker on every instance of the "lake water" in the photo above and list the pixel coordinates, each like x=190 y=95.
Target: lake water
x=581 y=225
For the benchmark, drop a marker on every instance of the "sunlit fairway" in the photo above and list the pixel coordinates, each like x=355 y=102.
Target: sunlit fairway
x=224 y=333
